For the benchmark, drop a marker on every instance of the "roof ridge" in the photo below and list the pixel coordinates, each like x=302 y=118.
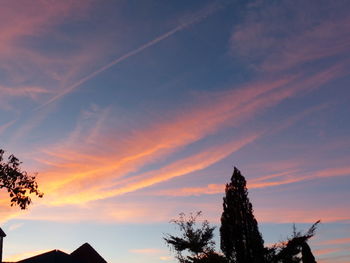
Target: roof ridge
x=86 y=253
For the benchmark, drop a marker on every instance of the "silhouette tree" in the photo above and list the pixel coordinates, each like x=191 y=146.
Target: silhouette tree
x=196 y=241
x=241 y=241
x=288 y=252
x=306 y=254
x=18 y=183
x=210 y=257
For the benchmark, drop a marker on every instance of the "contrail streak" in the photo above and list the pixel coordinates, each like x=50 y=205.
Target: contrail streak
x=202 y=14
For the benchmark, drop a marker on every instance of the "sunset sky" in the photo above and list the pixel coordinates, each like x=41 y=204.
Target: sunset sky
x=132 y=111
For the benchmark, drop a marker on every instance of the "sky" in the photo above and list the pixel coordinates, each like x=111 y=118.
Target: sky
x=131 y=112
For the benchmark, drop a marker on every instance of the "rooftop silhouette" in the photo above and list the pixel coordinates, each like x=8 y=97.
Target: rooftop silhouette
x=84 y=254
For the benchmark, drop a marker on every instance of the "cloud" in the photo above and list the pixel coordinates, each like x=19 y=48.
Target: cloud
x=300 y=215
x=165 y=258
x=338 y=241
x=151 y=252
x=15 y=226
x=29 y=20
x=24 y=255
x=195 y=18
x=146 y=251
x=335 y=259
x=93 y=163
x=31 y=70
x=7 y=125
x=193 y=191
x=324 y=251
x=138 y=211
x=83 y=161
x=283 y=35
x=25 y=91
x=271 y=180
x=98 y=161
x=177 y=168
x=6 y=211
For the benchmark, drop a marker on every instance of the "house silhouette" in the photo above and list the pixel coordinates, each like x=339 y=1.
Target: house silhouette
x=83 y=254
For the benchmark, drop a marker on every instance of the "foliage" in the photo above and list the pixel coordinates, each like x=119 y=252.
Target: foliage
x=197 y=241
x=241 y=240
x=211 y=257
x=18 y=183
x=288 y=252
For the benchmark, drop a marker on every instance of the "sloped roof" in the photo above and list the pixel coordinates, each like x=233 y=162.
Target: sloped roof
x=87 y=254
x=54 y=256
x=2 y=233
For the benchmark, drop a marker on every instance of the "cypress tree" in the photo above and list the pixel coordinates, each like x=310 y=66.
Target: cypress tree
x=241 y=241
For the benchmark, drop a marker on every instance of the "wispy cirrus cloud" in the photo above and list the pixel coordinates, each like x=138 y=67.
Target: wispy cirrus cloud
x=116 y=159
x=334 y=259
x=337 y=241
x=112 y=186
x=272 y=180
x=287 y=215
x=7 y=212
x=24 y=91
x=146 y=251
x=7 y=125
x=22 y=23
x=316 y=30
x=325 y=251
x=194 y=18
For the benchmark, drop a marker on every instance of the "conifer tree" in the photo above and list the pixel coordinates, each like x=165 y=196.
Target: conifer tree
x=241 y=241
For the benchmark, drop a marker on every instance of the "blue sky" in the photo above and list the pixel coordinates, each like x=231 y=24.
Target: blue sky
x=134 y=111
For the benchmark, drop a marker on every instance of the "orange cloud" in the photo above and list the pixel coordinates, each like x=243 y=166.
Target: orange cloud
x=324 y=251
x=261 y=182
x=177 y=168
x=111 y=211
x=338 y=241
x=93 y=164
x=6 y=211
x=287 y=215
x=146 y=251
x=165 y=258
x=24 y=255
x=334 y=259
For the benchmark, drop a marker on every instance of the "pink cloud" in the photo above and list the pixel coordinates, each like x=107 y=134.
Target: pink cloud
x=324 y=251
x=271 y=180
x=297 y=38
x=192 y=19
x=25 y=21
x=338 y=241
x=82 y=160
x=5 y=126
x=24 y=91
x=107 y=189
x=288 y=214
